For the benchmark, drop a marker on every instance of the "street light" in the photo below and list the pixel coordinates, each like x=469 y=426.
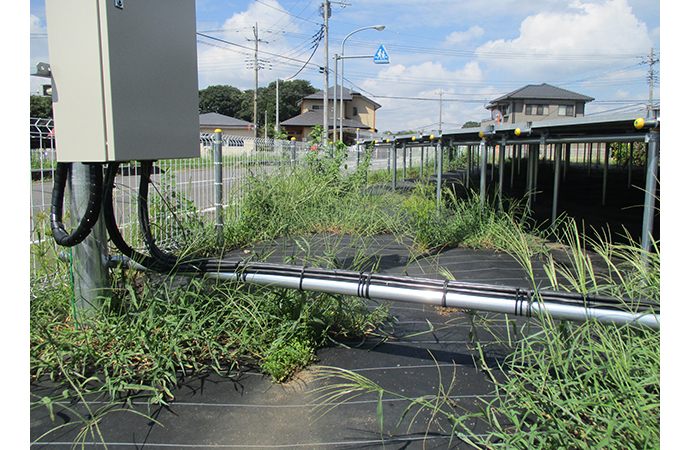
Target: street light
x=342 y=72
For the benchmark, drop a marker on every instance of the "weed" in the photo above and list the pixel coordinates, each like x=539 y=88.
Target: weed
x=562 y=384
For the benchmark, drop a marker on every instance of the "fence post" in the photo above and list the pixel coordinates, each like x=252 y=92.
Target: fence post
x=293 y=151
x=357 y=147
x=218 y=184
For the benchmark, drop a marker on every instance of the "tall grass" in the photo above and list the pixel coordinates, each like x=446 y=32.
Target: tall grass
x=563 y=384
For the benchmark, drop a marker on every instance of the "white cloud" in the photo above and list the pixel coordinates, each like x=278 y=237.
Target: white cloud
x=233 y=64
x=585 y=31
x=461 y=37
x=425 y=80
x=36 y=27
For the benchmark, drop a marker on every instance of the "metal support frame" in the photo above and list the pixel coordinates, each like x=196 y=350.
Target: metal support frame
x=501 y=164
x=650 y=189
x=607 y=150
x=395 y=163
x=556 y=183
x=404 y=150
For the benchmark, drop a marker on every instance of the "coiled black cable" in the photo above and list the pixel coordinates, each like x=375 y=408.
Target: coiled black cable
x=144 y=222
x=113 y=230
x=93 y=207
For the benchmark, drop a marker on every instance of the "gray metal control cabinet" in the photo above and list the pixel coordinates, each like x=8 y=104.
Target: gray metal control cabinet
x=125 y=83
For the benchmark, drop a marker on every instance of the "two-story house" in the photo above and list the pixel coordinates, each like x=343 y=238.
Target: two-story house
x=358 y=112
x=532 y=103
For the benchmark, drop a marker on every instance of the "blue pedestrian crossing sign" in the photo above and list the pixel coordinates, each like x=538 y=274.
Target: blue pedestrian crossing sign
x=381 y=56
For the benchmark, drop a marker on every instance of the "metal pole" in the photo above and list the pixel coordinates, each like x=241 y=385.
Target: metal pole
x=218 y=184
x=421 y=163
x=630 y=164
x=606 y=173
x=294 y=151
x=335 y=99
x=439 y=176
x=512 y=164
x=482 y=182
x=395 y=163
x=566 y=165
x=277 y=110
x=89 y=259
x=404 y=149
x=501 y=160
x=256 y=74
x=650 y=190
x=530 y=175
x=357 y=147
x=342 y=73
x=469 y=160
x=589 y=163
x=388 y=158
x=556 y=184
x=326 y=14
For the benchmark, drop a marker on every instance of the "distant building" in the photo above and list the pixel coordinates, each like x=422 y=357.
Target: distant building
x=532 y=103
x=358 y=110
x=209 y=122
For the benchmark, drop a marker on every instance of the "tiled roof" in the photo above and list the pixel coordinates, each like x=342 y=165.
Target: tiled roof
x=313 y=118
x=218 y=120
x=542 y=91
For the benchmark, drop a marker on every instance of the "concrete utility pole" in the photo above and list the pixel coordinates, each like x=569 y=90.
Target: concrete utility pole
x=256 y=71
x=651 y=78
x=440 y=111
x=326 y=10
x=277 y=110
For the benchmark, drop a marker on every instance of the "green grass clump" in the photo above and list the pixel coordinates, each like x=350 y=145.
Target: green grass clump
x=150 y=336
x=562 y=384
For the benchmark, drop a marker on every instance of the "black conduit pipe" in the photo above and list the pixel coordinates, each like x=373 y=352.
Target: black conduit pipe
x=93 y=207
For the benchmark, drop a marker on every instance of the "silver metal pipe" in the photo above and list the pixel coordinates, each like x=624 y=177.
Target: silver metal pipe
x=650 y=190
x=425 y=291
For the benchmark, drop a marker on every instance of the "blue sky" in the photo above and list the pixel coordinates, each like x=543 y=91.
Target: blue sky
x=471 y=51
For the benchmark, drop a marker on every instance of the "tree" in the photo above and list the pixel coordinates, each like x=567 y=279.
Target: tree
x=471 y=124
x=221 y=99
x=230 y=101
x=41 y=107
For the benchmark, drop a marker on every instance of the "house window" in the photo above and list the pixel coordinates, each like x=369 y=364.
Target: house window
x=316 y=107
x=354 y=110
x=566 y=110
x=537 y=110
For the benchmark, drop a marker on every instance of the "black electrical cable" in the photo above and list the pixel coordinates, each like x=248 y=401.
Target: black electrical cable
x=114 y=231
x=93 y=206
